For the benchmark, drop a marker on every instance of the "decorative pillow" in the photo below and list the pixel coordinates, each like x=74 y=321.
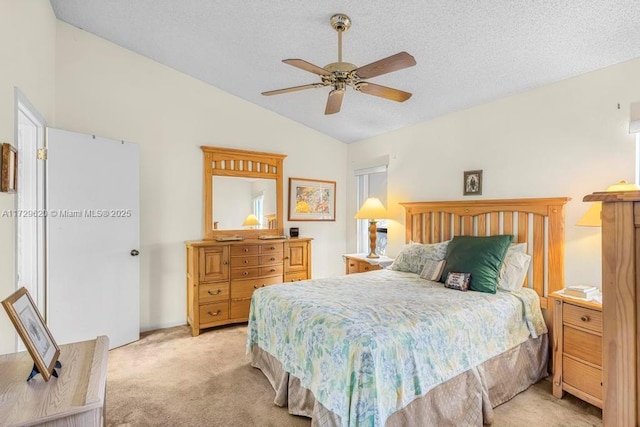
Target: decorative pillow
x=513 y=271
x=413 y=256
x=432 y=270
x=480 y=256
x=458 y=281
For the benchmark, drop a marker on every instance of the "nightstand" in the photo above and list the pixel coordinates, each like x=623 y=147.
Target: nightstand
x=577 y=348
x=359 y=263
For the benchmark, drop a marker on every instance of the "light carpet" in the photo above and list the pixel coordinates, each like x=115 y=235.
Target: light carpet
x=169 y=378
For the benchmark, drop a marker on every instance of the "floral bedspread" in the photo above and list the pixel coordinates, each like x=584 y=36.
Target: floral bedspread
x=368 y=344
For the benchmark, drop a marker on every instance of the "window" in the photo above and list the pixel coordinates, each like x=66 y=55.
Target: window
x=258 y=208
x=371 y=182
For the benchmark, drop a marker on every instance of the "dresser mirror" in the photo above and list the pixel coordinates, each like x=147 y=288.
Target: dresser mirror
x=240 y=183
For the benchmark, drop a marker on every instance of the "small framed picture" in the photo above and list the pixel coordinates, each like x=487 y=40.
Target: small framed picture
x=472 y=183
x=34 y=333
x=312 y=200
x=9 y=169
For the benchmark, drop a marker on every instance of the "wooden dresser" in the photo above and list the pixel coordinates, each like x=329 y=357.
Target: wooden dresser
x=221 y=276
x=577 y=348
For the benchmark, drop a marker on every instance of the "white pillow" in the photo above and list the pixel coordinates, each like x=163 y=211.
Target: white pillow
x=517 y=247
x=413 y=256
x=514 y=270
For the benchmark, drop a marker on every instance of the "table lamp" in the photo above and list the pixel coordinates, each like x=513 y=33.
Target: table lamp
x=251 y=221
x=591 y=217
x=372 y=210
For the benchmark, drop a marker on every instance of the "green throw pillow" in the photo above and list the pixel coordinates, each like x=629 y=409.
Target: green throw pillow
x=480 y=256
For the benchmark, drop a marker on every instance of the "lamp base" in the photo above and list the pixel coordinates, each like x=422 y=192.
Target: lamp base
x=372 y=239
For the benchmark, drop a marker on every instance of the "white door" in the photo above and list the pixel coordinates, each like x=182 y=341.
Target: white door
x=92 y=238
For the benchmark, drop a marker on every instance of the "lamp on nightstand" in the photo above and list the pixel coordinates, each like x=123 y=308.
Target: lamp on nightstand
x=591 y=217
x=372 y=210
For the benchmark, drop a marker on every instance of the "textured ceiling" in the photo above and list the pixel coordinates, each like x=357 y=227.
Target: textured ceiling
x=468 y=51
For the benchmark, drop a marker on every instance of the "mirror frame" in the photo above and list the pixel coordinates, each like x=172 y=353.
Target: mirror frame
x=241 y=163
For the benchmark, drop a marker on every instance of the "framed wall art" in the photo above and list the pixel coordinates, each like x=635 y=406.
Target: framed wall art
x=9 y=169
x=312 y=200
x=472 y=183
x=34 y=333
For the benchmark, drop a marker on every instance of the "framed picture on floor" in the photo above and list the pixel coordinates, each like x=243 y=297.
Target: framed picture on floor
x=312 y=200
x=32 y=330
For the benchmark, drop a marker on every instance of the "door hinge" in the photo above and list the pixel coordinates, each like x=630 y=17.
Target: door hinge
x=42 y=154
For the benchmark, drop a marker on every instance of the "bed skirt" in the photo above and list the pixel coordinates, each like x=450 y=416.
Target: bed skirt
x=465 y=400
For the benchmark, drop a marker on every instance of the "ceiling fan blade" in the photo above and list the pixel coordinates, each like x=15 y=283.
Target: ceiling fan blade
x=384 y=92
x=387 y=65
x=307 y=66
x=334 y=102
x=292 y=89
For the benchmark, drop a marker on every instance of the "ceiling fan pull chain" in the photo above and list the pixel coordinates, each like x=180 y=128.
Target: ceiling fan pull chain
x=339 y=45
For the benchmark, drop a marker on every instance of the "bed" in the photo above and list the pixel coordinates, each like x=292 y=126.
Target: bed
x=390 y=348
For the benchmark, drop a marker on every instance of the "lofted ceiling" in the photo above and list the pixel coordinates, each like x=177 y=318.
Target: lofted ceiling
x=468 y=51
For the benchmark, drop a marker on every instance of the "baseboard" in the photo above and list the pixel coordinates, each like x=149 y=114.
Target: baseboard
x=161 y=326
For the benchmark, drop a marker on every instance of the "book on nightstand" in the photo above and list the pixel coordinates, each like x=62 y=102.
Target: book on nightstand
x=582 y=291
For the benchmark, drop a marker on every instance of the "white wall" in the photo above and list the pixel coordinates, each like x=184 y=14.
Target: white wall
x=109 y=91
x=565 y=139
x=27 y=49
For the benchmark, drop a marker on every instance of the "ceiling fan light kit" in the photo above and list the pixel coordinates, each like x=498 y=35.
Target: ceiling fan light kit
x=340 y=75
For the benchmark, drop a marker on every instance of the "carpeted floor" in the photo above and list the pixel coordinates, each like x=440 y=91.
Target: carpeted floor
x=169 y=378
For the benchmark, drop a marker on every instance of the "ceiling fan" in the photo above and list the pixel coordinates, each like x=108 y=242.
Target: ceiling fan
x=340 y=74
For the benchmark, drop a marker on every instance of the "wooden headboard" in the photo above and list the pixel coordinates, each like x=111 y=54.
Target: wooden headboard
x=537 y=222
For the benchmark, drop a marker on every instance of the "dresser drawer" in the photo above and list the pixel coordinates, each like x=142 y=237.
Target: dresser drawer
x=245 y=273
x=582 y=317
x=272 y=248
x=273 y=258
x=214 y=312
x=272 y=270
x=244 y=288
x=240 y=308
x=295 y=277
x=211 y=292
x=582 y=377
x=583 y=345
x=237 y=250
x=245 y=261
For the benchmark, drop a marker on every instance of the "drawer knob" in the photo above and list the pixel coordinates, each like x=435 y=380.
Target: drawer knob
x=245 y=273
x=214 y=314
x=246 y=261
x=224 y=262
x=255 y=286
x=246 y=249
x=286 y=257
x=272 y=248
x=272 y=270
x=217 y=293
x=585 y=318
x=273 y=259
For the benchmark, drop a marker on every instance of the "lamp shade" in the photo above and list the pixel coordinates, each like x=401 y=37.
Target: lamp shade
x=250 y=221
x=591 y=217
x=372 y=209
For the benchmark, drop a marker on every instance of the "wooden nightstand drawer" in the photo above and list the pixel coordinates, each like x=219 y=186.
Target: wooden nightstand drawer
x=269 y=249
x=583 y=345
x=365 y=266
x=352 y=266
x=582 y=377
x=245 y=261
x=582 y=317
x=245 y=250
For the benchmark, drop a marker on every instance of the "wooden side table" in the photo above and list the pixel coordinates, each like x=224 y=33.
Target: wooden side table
x=75 y=398
x=359 y=263
x=577 y=348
